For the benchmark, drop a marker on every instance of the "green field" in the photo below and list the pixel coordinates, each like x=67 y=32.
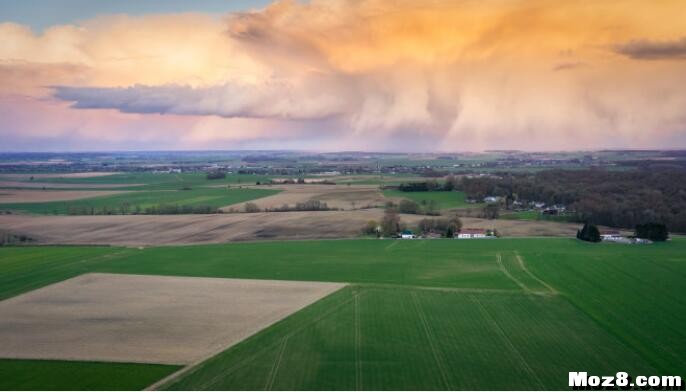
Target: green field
x=138 y=201
x=423 y=314
x=445 y=200
x=534 y=216
x=150 y=181
x=71 y=375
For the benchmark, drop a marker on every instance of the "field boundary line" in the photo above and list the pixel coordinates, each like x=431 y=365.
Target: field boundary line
x=391 y=245
x=468 y=290
x=193 y=367
x=430 y=338
x=501 y=266
x=520 y=259
x=275 y=367
x=358 y=343
x=507 y=340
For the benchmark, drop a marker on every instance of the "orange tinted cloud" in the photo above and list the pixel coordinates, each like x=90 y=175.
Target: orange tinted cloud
x=378 y=73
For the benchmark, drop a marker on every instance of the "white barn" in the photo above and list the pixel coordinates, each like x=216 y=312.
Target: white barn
x=471 y=233
x=611 y=235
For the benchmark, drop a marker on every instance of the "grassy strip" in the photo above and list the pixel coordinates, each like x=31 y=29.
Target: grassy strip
x=20 y=374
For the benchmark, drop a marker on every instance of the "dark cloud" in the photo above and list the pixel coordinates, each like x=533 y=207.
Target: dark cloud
x=279 y=100
x=653 y=50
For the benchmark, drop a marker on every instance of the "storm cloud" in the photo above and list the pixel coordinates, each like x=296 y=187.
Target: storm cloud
x=654 y=50
x=269 y=100
x=364 y=74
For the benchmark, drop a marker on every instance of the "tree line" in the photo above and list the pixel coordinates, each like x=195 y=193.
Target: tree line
x=611 y=198
x=160 y=209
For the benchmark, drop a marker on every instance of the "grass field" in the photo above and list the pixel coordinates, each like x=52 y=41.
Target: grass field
x=153 y=181
x=128 y=202
x=535 y=215
x=71 y=375
x=396 y=338
x=445 y=200
x=424 y=314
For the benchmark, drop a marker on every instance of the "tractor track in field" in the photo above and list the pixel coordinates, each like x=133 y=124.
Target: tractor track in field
x=498 y=329
x=275 y=367
x=358 y=343
x=501 y=266
x=192 y=368
x=522 y=265
x=440 y=363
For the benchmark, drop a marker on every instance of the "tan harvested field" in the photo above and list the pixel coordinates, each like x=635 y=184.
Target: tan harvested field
x=335 y=196
x=150 y=319
x=58 y=175
x=513 y=228
x=59 y=185
x=39 y=196
x=189 y=229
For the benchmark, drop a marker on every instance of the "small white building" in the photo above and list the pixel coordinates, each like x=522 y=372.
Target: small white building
x=491 y=199
x=472 y=233
x=407 y=235
x=611 y=235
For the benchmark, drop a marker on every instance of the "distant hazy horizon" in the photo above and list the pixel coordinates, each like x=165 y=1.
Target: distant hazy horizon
x=301 y=151
x=335 y=75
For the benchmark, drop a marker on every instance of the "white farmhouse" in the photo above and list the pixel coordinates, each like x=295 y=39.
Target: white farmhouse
x=407 y=235
x=611 y=235
x=472 y=233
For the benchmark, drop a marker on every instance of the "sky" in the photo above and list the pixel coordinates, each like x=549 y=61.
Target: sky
x=333 y=75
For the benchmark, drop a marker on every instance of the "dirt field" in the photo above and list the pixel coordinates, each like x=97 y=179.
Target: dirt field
x=58 y=175
x=335 y=196
x=39 y=196
x=138 y=318
x=188 y=229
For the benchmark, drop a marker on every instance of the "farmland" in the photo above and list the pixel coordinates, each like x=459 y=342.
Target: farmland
x=500 y=314
x=135 y=181
x=138 y=201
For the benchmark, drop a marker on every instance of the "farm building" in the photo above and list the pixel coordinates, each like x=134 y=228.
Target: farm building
x=472 y=233
x=407 y=234
x=611 y=235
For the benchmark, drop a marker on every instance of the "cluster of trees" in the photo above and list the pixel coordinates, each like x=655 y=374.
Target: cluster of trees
x=652 y=231
x=391 y=225
x=301 y=180
x=490 y=211
x=444 y=227
x=7 y=238
x=588 y=233
x=612 y=198
x=173 y=209
x=160 y=209
x=216 y=175
x=310 y=205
